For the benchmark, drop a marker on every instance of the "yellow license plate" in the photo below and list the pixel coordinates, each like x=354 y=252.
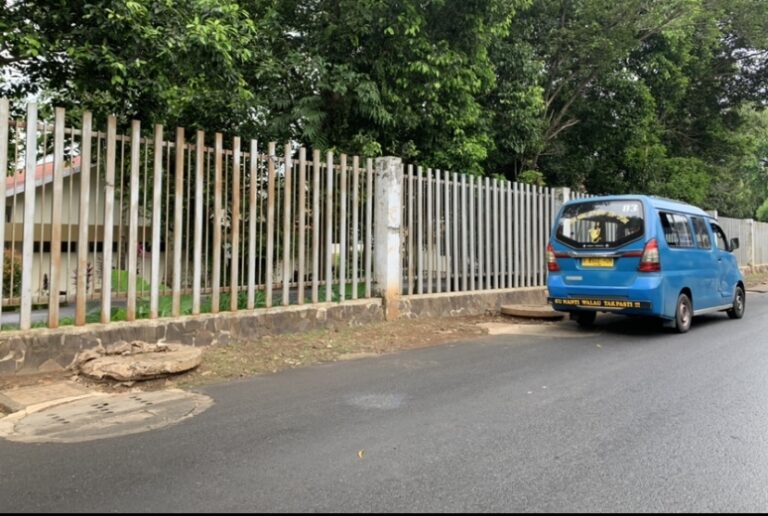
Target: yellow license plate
x=597 y=262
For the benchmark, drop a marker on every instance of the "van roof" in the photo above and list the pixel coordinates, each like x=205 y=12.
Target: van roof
x=657 y=202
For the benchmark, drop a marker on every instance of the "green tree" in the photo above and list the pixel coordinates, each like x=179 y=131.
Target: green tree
x=580 y=43
x=644 y=97
x=175 y=62
x=404 y=78
x=653 y=96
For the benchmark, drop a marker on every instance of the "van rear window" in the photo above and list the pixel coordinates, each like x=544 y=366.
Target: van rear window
x=600 y=224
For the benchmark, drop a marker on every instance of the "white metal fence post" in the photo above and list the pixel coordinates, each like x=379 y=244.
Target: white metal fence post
x=30 y=162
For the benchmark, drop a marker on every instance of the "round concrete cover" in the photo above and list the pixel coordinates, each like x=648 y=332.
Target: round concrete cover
x=108 y=415
x=144 y=366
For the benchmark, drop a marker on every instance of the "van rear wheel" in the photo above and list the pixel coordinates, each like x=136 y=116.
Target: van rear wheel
x=739 y=304
x=585 y=319
x=683 y=314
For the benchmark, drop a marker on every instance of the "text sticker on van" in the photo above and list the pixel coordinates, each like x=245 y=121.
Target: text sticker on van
x=601 y=303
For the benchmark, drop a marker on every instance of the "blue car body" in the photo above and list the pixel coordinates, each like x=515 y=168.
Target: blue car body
x=636 y=255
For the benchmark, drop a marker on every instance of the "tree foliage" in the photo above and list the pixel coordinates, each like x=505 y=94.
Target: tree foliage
x=664 y=97
x=660 y=97
x=172 y=61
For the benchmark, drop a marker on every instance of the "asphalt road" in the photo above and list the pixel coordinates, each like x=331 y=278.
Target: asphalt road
x=628 y=418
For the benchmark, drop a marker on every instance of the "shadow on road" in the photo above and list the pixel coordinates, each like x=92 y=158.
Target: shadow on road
x=611 y=324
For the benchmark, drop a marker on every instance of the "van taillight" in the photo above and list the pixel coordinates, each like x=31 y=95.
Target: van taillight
x=650 y=260
x=552 y=265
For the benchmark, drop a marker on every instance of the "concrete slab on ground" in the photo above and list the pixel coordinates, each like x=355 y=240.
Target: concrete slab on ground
x=539 y=330
x=532 y=311
x=14 y=400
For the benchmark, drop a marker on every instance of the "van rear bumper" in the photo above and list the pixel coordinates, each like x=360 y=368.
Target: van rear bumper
x=644 y=297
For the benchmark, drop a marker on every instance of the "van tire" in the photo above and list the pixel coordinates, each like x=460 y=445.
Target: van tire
x=739 y=304
x=585 y=319
x=683 y=313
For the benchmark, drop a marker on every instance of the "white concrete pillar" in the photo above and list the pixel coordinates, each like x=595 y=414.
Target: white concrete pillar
x=751 y=247
x=388 y=261
x=562 y=196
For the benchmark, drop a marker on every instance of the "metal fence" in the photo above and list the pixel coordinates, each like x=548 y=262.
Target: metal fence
x=464 y=233
x=753 y=239
x=760 y=244
x=169 y=226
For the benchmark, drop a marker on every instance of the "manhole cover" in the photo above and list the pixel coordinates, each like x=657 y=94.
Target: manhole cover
x=105 y=415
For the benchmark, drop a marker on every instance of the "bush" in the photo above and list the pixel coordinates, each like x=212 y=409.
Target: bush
x=11 y=270
x=120 y=282
x=762 y=212
x=531 y=177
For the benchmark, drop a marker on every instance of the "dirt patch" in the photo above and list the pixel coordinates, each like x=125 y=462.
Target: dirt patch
x=759 y=279
x=272 y=354
x=276 y=353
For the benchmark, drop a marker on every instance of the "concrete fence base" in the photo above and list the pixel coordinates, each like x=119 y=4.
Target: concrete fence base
x=468 y=303
x=48 y=350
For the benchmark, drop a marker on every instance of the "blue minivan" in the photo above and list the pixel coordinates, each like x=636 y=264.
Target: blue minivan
x=641 y=255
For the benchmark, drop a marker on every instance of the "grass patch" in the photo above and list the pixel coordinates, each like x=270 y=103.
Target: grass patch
x=165 y=303
x=120 y=282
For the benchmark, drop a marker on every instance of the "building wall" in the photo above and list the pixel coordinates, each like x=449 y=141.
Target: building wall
x=70 y=210
x=70 y=213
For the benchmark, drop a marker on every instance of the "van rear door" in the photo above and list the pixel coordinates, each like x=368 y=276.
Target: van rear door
x=600 y=242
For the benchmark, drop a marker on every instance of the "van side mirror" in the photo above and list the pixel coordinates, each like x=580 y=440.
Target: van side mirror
x=734 y=244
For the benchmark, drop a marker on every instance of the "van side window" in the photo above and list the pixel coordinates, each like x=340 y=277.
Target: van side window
x=702 y=235
x=677 y=232
x=722 y=241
